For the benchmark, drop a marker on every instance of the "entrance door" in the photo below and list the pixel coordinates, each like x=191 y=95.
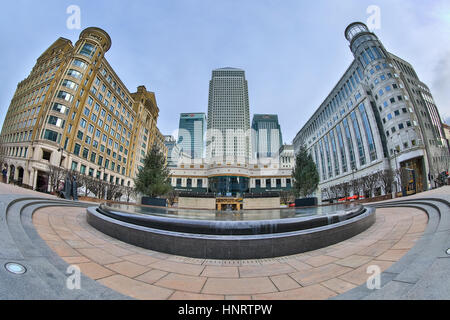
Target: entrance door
x=42 y=182
x=20 y=178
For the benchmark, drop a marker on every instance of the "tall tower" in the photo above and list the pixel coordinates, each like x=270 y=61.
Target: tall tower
x=191 y=134
x=267 y=139
x=228 y=135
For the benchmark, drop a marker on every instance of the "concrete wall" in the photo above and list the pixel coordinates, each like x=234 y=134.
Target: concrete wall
x=262 y=203
x=197 y=203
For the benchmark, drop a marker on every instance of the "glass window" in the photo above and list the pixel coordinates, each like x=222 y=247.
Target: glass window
x=65 y=96
x=51 y=135
x=76 y=149
x=80 y=64
x=368 y=130
x=88 y=50
x=74 y=73
x=359 y=142
x=70 y=84
x=60 y=108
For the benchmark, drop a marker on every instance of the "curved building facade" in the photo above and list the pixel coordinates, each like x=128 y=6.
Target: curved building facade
x=74 y=112
x=379 y=116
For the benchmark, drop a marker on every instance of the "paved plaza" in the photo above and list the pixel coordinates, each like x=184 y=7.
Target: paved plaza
x=144 y=274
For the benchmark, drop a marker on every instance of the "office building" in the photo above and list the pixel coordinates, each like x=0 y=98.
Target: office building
x=228 y=134
x=378 y=116
x=266 y=136
x=191 y=134
x=73 y=111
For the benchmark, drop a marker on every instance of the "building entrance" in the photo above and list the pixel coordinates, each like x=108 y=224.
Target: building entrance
x=42 y=181
x=228 y=204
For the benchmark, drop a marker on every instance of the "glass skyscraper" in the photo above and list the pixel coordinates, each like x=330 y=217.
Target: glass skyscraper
x=267 y=139
x=228 y=135
x=191 y=134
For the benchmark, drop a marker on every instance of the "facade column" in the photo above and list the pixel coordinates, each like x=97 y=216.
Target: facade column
x=35 y=176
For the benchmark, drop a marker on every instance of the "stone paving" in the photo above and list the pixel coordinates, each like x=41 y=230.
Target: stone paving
x=146 y=274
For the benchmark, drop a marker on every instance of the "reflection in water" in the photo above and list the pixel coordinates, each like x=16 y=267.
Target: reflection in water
x=246 y=215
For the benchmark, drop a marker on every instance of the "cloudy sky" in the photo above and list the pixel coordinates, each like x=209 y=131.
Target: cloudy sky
x=293 y=51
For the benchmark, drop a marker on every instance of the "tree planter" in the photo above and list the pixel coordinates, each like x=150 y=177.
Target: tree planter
x=157 y=202
x=306 y=202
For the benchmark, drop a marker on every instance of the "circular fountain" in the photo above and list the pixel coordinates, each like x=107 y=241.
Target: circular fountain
x=248 y=234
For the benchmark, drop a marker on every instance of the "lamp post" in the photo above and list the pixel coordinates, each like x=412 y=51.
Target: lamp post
x=397 y=173
x=61 y=158
x=353 y=178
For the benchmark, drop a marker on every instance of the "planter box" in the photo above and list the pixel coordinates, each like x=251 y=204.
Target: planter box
x=306 y=202
x=157 y=202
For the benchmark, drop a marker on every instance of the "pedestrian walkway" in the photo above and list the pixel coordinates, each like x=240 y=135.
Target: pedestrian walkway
x=402 y=243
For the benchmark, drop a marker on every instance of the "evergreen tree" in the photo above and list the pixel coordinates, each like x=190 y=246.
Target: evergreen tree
x=305 y=174
x=153 y=179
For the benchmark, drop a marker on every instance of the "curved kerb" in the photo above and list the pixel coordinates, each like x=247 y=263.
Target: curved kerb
x=424 y=271
x=47 y=273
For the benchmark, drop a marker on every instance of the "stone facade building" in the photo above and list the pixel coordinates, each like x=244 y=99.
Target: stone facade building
x=378 y=116
x=73 y=111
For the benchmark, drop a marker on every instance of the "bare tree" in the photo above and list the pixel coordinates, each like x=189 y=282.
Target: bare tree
x=386 y=180
x=56 y=175
x=172 y=196
x=129 y=192
x=94 y=186
x=334 y=191
x=344 y=189
x=403 y=176
x=369 y=183
x=113 y=191
x=285 y=196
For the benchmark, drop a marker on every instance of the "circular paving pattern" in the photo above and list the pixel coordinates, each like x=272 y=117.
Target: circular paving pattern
x=146 y=274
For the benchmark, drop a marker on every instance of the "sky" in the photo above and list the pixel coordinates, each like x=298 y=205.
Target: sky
x=293 y=51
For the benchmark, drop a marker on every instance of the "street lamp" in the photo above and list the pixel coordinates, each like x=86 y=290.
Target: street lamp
x=61 y=158
x=397 y=173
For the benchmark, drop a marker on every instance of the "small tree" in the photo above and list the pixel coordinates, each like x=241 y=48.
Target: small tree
x=386 y=179
x=305 y=174
x=129 y=192
x=286 y=197
x=56 y=175
x=153 y=179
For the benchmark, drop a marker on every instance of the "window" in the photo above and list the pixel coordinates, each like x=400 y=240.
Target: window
x=60 y=108
x=74 y=73
x=76 y=149
x=65 y=96
x=56 y=121
x=83 y=123
x=46 y=155
x=85 y=153
x=70 y=84
x=80 y=64
x=88 y=50
x=74 y=166
x=80 y=135
x=401 y=126
x=51 y=135
x=83 y=169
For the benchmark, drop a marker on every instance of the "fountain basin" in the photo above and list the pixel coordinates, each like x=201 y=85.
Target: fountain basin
x=233 y=240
